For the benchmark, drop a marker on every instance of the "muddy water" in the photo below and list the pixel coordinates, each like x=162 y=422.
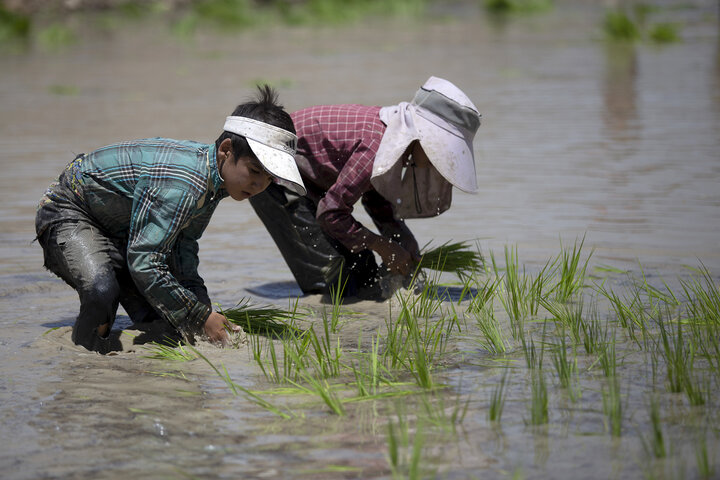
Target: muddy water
x=579 y=138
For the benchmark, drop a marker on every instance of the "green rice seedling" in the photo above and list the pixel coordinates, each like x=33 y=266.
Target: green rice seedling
x=703 y=295
x=536 y=290
x=485 y=294
x=396 y=349
x=418 y=362
x=705 y=468
x=436 y=413
x=679 y=357
x=571 y=272
x=497 y=400
x=327 y=354
x=533 y=359
x=608 y=359
x=656 y=297
x=405 y=466
x=321 y=388
x=538 y=398
x=513 y=291
x=165 y=351
x=655 y=445
x=369 y=372
x=424 y=304
x=612 y=406
x=236 y=388
x=565 y=367
x=265 y=320
x=458 y=258
x=493 y=338
x=569 y=317
x=594 y=333
x=703 y=311
x=336 y=294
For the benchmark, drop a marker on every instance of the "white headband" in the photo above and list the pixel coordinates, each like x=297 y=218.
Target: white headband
x=273 y=146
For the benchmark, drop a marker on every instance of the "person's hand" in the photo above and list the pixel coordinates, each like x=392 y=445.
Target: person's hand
x=216 y=327
x=396 y=259
x=408 y=242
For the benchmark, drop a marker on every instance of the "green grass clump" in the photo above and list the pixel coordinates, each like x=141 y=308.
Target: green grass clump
x=664 y=33
x=618 y=25
x=227 y=14
x=169 y=351
x=13 y=26
x=630 y=25
x=345 y=11
x=56 y=37
x=517 y=6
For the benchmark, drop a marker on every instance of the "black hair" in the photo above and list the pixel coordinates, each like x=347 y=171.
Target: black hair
x=264 y=108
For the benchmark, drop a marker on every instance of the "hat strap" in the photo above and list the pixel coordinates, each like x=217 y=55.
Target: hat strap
x=462 y=117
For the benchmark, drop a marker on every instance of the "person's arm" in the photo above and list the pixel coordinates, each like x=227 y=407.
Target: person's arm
x=334 y=215
x=186 y=256
x=392 y=228
x=158 y=217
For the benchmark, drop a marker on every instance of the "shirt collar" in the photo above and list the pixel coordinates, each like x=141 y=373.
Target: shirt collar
x=216 y=181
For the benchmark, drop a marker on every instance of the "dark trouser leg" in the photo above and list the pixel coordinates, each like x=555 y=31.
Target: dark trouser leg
x=79 y=254
x=315 y=260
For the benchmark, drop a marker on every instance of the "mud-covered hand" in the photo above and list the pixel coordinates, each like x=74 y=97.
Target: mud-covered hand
x=408 y=242
x=216 y=327
x=396 y=259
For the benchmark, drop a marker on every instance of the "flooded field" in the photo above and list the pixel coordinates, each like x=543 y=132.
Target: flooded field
x=610 y=370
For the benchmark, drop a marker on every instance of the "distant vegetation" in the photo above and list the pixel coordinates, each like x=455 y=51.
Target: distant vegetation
x=45 y=21
x=632 y=24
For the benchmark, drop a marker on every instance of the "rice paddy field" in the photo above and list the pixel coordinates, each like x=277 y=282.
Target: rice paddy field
x=574 y=332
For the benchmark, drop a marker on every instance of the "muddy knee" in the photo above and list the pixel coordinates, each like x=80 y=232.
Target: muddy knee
x=98 y=305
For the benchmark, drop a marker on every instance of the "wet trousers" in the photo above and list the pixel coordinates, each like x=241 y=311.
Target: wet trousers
x=95 y=266
x=316 y=260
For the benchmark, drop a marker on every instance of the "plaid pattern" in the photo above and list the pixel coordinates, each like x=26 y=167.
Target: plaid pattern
x=336 y=149
x=158 y=195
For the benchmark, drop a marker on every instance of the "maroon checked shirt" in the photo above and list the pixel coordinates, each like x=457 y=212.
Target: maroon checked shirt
x=335 y=153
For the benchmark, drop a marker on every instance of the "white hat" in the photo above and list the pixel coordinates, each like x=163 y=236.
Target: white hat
x=273 y=146
x=446 y=121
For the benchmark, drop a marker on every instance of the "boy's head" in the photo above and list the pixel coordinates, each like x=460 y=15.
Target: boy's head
x=261 y=134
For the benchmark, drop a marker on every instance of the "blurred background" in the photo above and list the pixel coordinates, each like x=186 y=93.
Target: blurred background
x=601 y=121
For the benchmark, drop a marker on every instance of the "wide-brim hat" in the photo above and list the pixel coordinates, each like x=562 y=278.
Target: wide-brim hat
x=273 y=146
x=446 y=122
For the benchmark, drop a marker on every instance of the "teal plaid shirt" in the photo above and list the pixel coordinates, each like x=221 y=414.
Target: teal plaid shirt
x=157 y=195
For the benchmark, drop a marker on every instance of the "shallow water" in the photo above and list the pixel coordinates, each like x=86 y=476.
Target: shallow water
x=580 y=137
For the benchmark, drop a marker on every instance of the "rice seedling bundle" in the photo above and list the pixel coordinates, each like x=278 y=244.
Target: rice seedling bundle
x=457 y=257
x=263 y=319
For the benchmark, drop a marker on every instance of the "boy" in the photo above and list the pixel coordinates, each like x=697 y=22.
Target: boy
x=401 y=161
x=121 y=224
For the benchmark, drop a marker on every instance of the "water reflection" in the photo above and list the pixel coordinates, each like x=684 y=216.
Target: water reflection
x=620 y=115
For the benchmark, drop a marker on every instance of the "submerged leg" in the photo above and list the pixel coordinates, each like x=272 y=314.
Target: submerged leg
x=290 y=219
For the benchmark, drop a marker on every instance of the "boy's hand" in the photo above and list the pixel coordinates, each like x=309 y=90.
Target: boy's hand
x=216 y=327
